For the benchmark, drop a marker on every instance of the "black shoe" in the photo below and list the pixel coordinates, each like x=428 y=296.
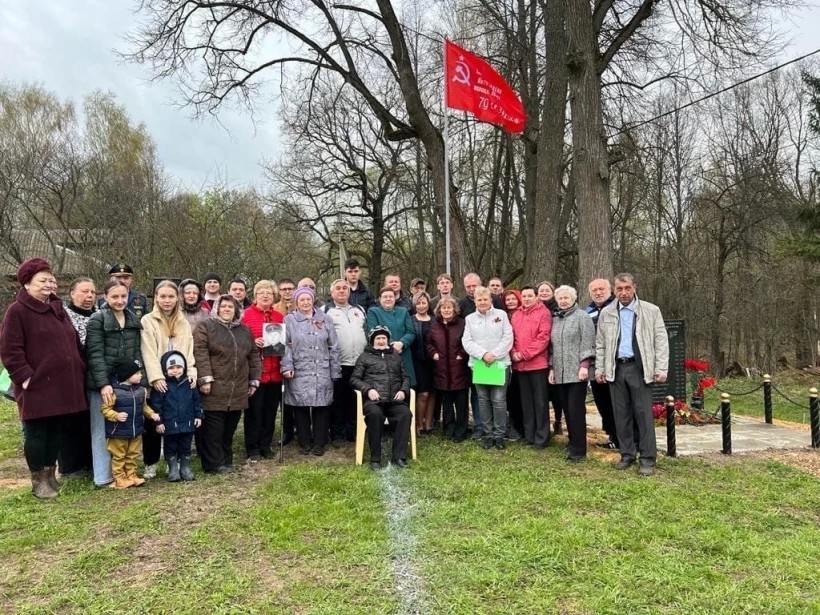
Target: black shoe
x=459 y=439
x=624 y=463
x=224 y=470
x=609 y=444
x=254 y=458
x=499 y=444
x=337 y=442
x=575 y=458
x=401 y=463
x=318 y=451
x=375 y=465
x=647 y=468
x=305 y=450
x=478 y=433
x=487 y=443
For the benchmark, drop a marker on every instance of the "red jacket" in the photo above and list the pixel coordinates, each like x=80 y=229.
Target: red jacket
x=254 y=318
x=38 y=341
x=531 y=337
x=450 y=372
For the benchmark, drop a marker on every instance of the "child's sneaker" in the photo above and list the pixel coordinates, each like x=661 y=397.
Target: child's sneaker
x=150 y=471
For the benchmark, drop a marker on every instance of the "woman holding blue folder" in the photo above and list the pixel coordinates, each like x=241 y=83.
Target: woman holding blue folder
x=488 y=338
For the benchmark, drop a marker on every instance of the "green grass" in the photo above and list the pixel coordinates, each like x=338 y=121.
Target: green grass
x=516 y=531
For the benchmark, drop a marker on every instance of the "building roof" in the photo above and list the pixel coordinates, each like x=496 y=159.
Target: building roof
x=66 y=250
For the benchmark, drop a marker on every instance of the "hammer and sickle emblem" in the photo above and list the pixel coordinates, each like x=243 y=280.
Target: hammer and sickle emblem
x=462 y=73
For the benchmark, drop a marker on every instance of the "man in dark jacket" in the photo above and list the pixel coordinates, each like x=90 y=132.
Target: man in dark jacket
x=380 y=375
x=600 y=291
x=359 y=295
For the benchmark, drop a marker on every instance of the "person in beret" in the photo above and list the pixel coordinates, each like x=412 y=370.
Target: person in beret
x=41 y=351
x=137 y=302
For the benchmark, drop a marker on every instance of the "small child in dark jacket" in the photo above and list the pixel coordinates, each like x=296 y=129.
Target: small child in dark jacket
x=125 y=418
x=180 y=414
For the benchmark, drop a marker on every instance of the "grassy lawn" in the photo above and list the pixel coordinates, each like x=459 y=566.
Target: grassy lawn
x=515 y=531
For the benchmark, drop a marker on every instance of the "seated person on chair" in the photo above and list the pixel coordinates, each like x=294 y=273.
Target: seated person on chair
x=380 y=375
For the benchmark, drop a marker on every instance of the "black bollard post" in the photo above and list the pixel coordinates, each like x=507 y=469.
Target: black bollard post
x=671 y=444
x=726 y=423
x=814 y=409
x=767 y=398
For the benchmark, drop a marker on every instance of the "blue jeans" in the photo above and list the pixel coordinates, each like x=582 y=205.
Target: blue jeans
x=492 y=403
x=101 y=458
x=478 y=423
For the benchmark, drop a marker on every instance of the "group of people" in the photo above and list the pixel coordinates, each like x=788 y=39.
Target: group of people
x=102 y=377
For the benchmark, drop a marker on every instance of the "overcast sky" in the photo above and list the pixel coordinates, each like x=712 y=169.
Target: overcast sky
x=67 y=47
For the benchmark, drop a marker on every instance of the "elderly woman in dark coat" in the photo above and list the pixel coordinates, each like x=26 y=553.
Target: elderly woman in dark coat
x=112 y=334
x=41 y=351
x=450 y=373
x=229 y=369
x=310 y=365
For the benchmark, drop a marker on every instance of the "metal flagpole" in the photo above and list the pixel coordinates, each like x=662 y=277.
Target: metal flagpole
x=446 y=164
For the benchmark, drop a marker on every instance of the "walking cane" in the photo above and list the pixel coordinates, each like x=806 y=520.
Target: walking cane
x=282 y=427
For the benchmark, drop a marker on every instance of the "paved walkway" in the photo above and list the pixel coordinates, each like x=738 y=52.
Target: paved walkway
x=748 y=434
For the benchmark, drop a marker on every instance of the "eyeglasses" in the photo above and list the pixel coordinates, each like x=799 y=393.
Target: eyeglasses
x=285 y=289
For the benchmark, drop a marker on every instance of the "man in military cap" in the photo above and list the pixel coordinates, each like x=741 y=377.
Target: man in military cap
x=137 y=302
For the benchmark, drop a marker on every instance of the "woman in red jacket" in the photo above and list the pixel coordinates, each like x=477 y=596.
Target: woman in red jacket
x=531 y=325
x=260 y=417
x=450 y=374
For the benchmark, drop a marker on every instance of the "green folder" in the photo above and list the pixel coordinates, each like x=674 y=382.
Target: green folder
x=492 y=375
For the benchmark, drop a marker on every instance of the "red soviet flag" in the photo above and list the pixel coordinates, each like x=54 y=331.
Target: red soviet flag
x=474 y=86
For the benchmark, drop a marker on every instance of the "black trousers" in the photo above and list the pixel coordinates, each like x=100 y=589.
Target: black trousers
x=260 y=419
x=454 y=405
x=573 y=401
x=343 y=409
x=312 y=424
x=75 y=446
x=534 y=410
x=632 y=402
x=218 y=429
x=557 y=405
x=151 y=443
x=178 y=444
x=398 y=416
x=603 y=401
x=42 y=440
x=288 y=423
x=515 y=417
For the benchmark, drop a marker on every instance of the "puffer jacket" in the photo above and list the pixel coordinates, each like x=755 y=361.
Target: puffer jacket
x=106 y=343
x=490 y=332
x=572 y=343
x=180 y=404
x=450 y=372
x=382 y=370
x=312 y=354
x=227 y=358
x=130 y=399
x=650 y=332
x=531 y=330
x=255 y=319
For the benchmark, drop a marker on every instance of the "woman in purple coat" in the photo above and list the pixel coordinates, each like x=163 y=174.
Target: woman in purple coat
x=310 y=365
x=41 y=351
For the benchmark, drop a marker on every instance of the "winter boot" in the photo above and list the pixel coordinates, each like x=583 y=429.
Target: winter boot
x=51 y=476
x=185 y=469
x=40 y=487
x=173 y=469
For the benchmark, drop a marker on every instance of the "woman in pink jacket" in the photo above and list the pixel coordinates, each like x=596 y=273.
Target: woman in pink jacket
x=531 y=325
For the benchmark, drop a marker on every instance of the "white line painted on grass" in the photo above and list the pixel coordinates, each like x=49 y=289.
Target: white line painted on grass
x=403 y=543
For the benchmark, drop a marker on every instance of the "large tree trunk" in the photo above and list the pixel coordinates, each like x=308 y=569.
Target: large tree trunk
x=589 y=152
x=542 y=253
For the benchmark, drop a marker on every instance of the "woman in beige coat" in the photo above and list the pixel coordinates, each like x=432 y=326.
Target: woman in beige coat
x=164 y=329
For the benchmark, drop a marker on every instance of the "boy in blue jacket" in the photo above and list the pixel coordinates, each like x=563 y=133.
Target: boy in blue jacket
x=125 y=418
x=180 y=414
